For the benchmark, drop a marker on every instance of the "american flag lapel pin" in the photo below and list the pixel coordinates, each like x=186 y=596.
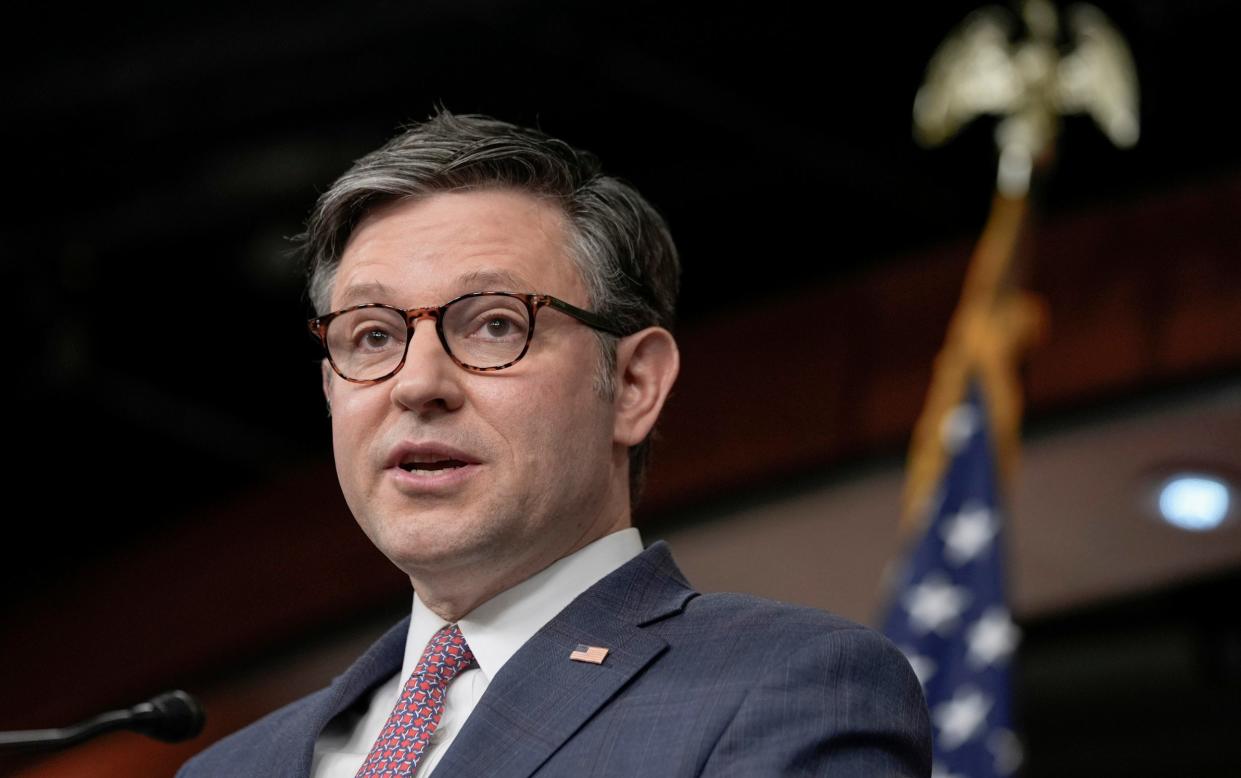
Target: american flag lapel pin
x=593 y=654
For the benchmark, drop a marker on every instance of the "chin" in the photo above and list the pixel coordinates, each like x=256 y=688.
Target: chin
x=431 y=548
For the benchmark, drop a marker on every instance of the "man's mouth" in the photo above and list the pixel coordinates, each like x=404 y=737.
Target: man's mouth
x=429 y=464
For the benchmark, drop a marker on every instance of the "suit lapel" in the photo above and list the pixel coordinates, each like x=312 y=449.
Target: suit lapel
x=541 y=697
x=380 y=662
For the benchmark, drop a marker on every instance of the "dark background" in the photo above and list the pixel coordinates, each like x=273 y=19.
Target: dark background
x=159 y=158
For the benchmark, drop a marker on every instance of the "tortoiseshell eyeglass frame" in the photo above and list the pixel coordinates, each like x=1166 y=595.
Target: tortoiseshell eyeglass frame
x=533 y=302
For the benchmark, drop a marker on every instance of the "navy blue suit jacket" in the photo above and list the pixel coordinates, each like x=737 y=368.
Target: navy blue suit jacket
x=693 y=684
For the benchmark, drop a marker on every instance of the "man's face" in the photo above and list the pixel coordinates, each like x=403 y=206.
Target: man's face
x=502 y=472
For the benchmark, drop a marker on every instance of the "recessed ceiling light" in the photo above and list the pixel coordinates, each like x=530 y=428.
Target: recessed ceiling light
x=1194 y=501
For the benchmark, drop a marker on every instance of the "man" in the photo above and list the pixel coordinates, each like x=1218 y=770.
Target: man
x=496 y=463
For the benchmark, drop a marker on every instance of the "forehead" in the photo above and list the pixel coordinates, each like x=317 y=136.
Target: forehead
x=424 y=251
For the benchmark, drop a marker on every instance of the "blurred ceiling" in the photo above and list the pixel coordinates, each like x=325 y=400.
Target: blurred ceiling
x=158 y=160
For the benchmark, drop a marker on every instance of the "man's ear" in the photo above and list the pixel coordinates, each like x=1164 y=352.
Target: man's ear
x=647 y=363
x=326 y=369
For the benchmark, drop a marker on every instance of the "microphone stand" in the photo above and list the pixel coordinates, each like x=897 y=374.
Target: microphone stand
x=169 y=717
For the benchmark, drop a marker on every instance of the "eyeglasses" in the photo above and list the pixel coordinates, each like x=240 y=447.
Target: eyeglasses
x=480 y=331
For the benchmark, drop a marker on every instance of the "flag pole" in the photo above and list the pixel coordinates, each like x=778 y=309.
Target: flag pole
x=993 y=324
x=949 y=612
x=1030 y=83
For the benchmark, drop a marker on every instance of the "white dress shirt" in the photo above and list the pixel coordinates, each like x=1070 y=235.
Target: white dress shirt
x=494 y=632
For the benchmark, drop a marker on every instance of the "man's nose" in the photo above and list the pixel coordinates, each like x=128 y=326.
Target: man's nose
x=429 y=380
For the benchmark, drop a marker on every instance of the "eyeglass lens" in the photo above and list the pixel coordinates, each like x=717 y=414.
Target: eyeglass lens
x=482 y=332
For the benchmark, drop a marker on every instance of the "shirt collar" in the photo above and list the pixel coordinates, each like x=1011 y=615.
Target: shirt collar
x=496 y=629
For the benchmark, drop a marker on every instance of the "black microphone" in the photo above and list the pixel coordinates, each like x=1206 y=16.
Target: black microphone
x=171 y=717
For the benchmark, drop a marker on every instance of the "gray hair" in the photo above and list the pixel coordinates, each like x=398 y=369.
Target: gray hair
x=619 y=242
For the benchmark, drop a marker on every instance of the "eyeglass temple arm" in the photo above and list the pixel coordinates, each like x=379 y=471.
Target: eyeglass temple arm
x=586 y=317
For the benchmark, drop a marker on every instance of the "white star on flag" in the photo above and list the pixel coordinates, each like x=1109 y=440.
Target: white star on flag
x=1006 y=747
x=958 y=426
x=935 y=604
x=938 y=771
x=992 y=638
x=959 y=719
x=923 y=666
x=968 y=533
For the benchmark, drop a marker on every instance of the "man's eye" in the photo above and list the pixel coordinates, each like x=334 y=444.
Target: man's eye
x=497 y=326
x=373 y=338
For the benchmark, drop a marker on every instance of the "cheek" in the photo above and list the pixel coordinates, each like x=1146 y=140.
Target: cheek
x=353 y=426
x=550 y=424
x=574 y=432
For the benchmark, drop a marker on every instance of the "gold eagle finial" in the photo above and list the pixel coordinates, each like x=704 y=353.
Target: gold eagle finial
x=1031 y=82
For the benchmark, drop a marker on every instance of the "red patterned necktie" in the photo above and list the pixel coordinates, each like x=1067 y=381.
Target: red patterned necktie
x=405 y=736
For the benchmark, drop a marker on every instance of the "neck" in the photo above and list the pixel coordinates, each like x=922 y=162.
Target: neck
x=454 y=594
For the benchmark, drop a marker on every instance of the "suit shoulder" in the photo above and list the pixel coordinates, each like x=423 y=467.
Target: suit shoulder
x=745 y=611
x=823 y=693
x=785 y=628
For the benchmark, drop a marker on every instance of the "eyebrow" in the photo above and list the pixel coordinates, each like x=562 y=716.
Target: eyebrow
x=491 y=281
x=367 y=292
x=475 y=281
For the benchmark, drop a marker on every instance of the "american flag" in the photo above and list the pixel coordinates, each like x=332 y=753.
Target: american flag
x=948 y=612
x=593 y=654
